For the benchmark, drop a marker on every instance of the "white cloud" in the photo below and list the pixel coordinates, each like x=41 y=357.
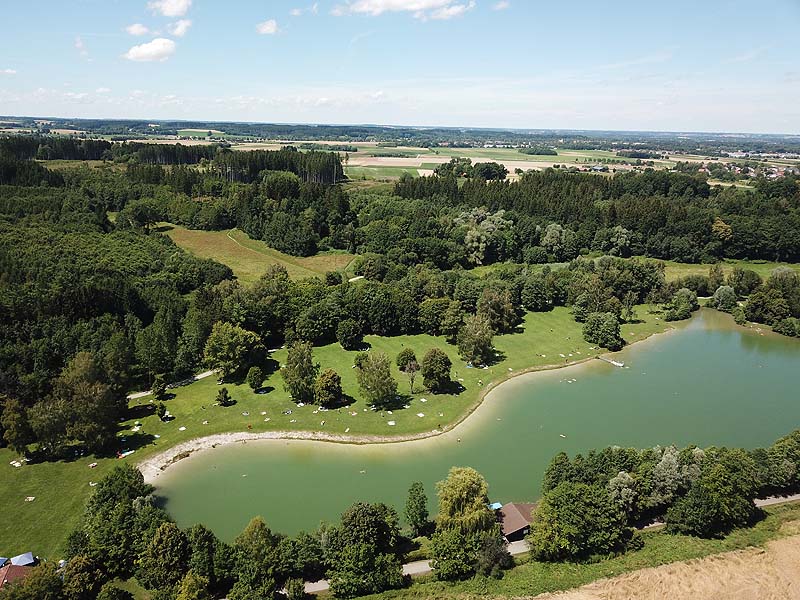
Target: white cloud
x=81 y=47
x=170 y=8
x=502 y=5
x=137 y=29
x=454 y=10
x=160 y=49
x=298 y=12
x=8 y=72
x=421 y=9
x=102 y=90
x=179 y=28
x=268 y=27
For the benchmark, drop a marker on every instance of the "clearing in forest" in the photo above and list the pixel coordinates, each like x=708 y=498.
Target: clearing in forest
x=250 y=258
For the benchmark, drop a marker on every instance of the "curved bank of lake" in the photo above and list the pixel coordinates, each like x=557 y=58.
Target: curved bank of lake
x=708 y=383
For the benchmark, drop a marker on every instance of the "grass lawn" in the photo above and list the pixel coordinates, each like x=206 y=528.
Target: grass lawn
x=531 y=578
x=676 y=270
x=249 y=258
x=61 y=488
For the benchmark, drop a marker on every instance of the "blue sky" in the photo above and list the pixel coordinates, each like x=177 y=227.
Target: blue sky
x=677 y=66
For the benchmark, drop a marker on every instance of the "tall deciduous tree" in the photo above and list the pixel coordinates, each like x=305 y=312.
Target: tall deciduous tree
x=475 y=340
x=164 y=560
x=376 y=381
x=328 y=388
x=417 y=508
x=464 y=501
x=436 y=367
x=229 y=348
x=17 y=430
x=300 y=372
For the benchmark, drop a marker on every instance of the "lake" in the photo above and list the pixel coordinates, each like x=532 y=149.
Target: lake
x=707 y=383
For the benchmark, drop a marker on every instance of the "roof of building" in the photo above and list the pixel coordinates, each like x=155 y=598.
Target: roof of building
x=23 y=559
x=12 y=573
x=515 y=516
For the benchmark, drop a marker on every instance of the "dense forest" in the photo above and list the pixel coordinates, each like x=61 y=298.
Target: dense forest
x=92 y=308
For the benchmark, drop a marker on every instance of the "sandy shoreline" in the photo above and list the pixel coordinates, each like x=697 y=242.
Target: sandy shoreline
x=155 y=465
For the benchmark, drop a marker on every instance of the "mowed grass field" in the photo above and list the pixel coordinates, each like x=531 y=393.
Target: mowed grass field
x=62 y=488
x=248 y=258
x=674 y=270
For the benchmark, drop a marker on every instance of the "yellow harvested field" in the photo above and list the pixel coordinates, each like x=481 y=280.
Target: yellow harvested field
x=771 y=573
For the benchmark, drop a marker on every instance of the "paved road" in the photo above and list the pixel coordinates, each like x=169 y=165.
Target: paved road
x=423 y=567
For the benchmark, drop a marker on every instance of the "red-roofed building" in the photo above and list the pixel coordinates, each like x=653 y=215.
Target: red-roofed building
x=12 y=574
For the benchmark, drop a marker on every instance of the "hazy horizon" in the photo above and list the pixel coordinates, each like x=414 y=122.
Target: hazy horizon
x=715 y=67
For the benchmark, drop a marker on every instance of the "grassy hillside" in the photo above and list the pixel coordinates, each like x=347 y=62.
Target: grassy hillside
x=249 y=258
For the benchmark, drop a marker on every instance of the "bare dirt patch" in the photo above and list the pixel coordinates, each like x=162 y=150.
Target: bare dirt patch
x=771 y=573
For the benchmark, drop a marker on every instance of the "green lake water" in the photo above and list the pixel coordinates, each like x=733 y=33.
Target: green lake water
x=708 y=383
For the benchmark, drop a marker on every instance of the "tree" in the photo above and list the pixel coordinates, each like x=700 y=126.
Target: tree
x=224 y=398
x=417 y=509
x=629 y=307
x=161 y=408
x=348 y=334
x=112 y=592
x=475 y=340
x=229 y=348
x=360 y=569
x=453 y=554
x=719 y=500
x=452 y=321
x=497 y=308
x=681 y=306
x=492 y=555
x=17 y=430
x=574 y=521
x=715 y=276
x=203 y=547
x=405 y=356
x=603 y=329
x=296 y=589
x=255 y=378
x=534 y=294
x=193 y=587
x=464 y=501
x=82 y=579
x=431 y=314
x=328 y=388
x=407 y=363
x=164 y=560
x=724 y=299
x=376 y=381
x=300 y=372
x=258 y=563
x=436 y=367
x=159 y=387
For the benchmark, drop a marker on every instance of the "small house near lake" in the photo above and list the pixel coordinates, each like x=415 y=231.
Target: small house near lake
x=515 y=520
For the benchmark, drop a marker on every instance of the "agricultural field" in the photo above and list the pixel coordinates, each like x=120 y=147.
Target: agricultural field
x=249 y=258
